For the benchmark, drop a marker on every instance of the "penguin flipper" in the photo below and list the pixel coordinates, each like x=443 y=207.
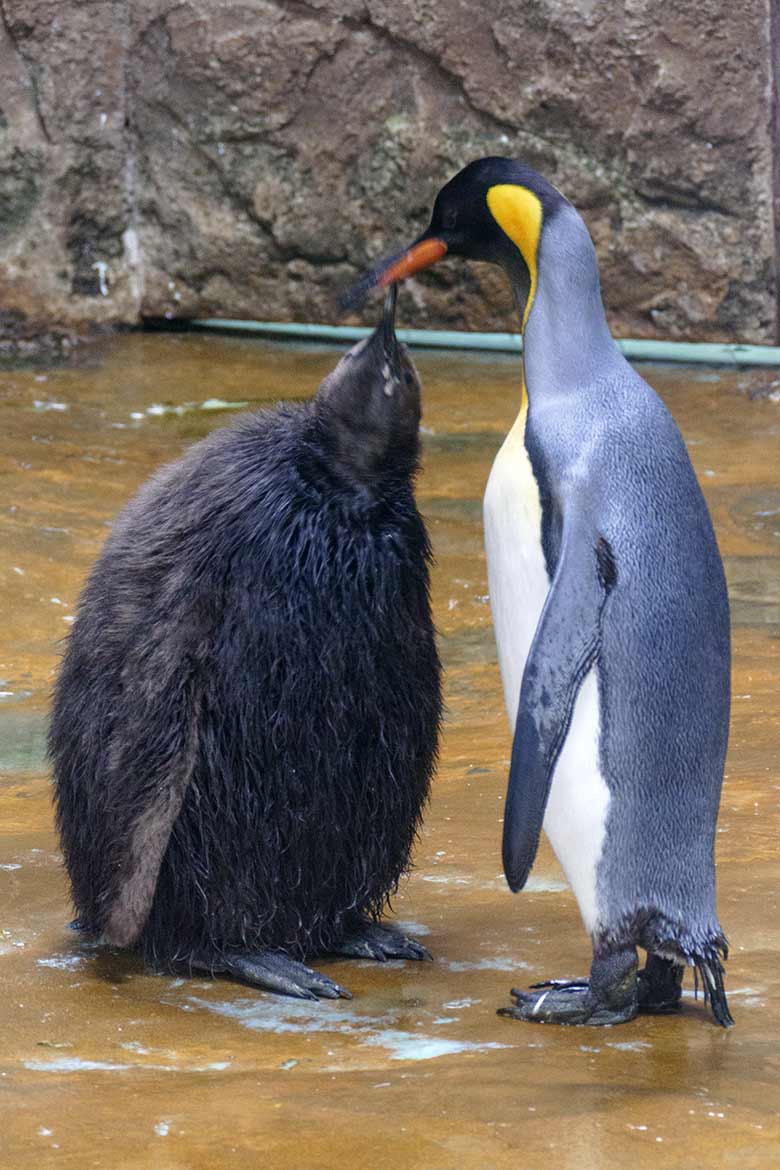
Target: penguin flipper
x=161 y=768
x=564 y=648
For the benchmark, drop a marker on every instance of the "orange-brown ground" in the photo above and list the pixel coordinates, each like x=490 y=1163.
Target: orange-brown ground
x=105 y=1066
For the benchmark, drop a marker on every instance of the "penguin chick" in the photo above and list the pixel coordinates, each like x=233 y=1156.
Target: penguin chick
x=246 y=719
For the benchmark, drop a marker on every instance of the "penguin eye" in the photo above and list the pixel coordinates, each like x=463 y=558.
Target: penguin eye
x=449 y=218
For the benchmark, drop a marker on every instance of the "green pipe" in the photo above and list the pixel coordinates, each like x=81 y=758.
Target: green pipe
x=432 y=338
x=705 y=352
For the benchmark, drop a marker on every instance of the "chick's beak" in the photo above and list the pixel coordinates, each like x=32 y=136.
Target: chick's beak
x=422 y=254
x=387 y=324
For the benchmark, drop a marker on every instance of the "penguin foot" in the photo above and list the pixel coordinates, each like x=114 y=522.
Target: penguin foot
x=369 y=940
x=277 y=972
x=89 y=932
x=660 y=986
x=610 y=996
x=565 y=1005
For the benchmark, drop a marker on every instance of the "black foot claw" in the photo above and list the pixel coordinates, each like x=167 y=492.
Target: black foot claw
x=277 y=972
x=369 y=940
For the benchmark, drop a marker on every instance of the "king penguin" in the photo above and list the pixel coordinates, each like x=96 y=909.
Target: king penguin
x=610 y=612
x=246 y=720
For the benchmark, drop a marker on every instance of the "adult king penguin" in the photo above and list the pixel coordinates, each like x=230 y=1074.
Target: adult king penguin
x=610 y=611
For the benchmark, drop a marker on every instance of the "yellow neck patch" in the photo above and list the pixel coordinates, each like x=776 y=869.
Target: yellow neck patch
x=518 y=212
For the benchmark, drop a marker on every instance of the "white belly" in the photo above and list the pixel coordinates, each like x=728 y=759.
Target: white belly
x=576 y=812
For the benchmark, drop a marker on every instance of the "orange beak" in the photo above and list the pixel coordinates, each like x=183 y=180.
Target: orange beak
x=417 y=257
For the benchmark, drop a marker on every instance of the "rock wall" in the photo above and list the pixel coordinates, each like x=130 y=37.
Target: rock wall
x=246 y=159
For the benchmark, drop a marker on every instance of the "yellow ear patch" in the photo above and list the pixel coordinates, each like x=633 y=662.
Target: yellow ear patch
x=518 y=212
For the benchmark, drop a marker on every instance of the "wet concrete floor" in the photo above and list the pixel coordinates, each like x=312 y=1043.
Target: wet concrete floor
x=103 y=1065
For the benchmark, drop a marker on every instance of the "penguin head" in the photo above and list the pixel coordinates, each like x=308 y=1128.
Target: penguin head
x=495 y=209
x=369 y=405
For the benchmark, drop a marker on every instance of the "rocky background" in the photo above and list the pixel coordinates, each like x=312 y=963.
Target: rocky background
x=247 y=159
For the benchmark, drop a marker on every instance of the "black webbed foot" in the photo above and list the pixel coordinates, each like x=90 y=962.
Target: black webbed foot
x=660 y=986
x=83 y=926
x=369 y=940
x=276 y=972
x=609 y=997
x=564 y=1005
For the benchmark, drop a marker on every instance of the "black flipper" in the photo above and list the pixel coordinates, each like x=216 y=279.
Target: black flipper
x=564 y=648
x=161 y=769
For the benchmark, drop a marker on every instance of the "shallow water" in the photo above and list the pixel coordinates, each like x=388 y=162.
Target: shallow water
x=103 y=1065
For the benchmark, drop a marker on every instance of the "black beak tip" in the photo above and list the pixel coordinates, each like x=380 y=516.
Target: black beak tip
x=388 y=311
x=353 y=297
